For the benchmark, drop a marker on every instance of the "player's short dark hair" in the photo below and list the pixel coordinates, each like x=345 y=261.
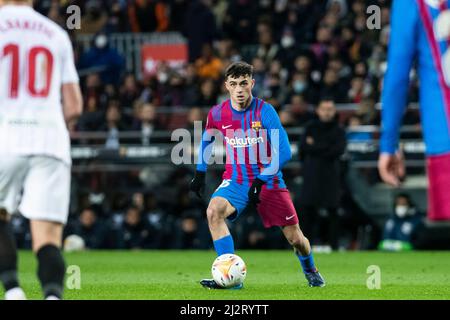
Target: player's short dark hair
x=238 y=69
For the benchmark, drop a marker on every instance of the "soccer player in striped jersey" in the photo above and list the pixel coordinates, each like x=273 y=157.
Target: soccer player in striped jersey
x=257 y=148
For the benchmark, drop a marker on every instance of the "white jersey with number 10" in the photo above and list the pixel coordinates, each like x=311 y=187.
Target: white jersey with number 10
x=36 y=58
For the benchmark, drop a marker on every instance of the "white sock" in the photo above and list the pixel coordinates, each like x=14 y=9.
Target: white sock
x=15 y=294
x=52 y=298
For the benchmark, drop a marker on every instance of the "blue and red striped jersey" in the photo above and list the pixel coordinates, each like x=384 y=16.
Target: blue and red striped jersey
x=256 y=144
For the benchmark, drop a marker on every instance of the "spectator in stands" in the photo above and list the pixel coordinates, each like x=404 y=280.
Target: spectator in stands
x=267 y=48
x=176 y=94
x=288 y=39
x=94 y=89
x=353 y=123
x=112 y=125
x=195 y=114
x=286 y=118
x=299 y=84
x=200 y=27
x=275 y=93
x=92 y=118
x=321 y=147
x=208 y=65
x=138 y=200
x=300 y=111
x=129 y=91
x=148 y=16
x=94 y=19
x=208 y=95
x=331 y=87
x=320 y=47
x=192 y=232
x=367 y=112
x=190 y=85
x=225 y=50
x=359 y=89
x=259 y=74
x=135 y=232
x=91 y=230
x=240 y=20
x=401 y=228
x=118 y=18
x=103 y=59
x=147 y=123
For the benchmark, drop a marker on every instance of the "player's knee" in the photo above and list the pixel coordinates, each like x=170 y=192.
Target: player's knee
x=297 y=240
x=215 y=212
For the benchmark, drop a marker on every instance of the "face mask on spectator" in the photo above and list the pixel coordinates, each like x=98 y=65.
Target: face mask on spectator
x=101 y=41
x=163 y=77
x=401 y=211
x=287 y=42
x=299 y=86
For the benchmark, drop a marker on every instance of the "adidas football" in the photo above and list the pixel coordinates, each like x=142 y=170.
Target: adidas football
x=229 y=270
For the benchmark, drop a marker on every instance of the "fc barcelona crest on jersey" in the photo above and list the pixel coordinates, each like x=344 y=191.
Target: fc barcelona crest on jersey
x=256 y=125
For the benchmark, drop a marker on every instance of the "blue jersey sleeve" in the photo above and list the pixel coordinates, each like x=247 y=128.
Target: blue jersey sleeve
x=279 y=143
x=205 y=149
x=401 y=53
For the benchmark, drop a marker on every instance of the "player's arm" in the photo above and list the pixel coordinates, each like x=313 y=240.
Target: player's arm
x=279 y=143
x=401 y=53
x=197 y=184
x=70 y=90
x=72 y=101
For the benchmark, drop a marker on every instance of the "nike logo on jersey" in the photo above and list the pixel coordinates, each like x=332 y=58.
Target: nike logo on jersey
x=226 y=127
x=290 y=217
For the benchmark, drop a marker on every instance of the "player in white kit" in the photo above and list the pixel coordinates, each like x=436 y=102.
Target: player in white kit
x=37 y=71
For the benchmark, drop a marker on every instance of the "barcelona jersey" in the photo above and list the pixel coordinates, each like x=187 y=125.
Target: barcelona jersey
x=255 y=143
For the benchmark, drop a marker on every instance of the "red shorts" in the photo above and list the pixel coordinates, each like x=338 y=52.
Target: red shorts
x=276 y=208
x=438 y=168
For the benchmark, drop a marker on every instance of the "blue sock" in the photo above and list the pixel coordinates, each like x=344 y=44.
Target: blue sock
x=224 y=245
x=307 y=263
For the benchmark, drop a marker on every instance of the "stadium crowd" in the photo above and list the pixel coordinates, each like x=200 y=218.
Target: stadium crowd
x=301 y=50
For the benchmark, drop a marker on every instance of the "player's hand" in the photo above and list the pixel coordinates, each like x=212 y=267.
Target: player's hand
x=391 y=168
x=197 y=184
x=254 y=191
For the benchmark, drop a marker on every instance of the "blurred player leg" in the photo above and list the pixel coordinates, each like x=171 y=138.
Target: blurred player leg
x=51 y=267
x=12 y=172
x=8 y=260
x=45 y=202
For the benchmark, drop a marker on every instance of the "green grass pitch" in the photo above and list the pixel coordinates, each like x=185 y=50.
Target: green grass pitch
x=272 y=275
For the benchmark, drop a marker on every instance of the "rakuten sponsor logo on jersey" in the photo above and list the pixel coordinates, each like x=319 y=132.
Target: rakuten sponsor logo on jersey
x=243 y=142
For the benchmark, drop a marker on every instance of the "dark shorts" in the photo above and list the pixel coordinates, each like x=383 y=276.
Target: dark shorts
x=275 y=209
x=438 y=171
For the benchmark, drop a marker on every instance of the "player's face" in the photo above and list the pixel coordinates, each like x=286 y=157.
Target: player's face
x=326 y=111
x=240 y=89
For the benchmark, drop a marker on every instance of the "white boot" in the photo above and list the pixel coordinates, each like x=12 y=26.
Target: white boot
x=15 y=294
